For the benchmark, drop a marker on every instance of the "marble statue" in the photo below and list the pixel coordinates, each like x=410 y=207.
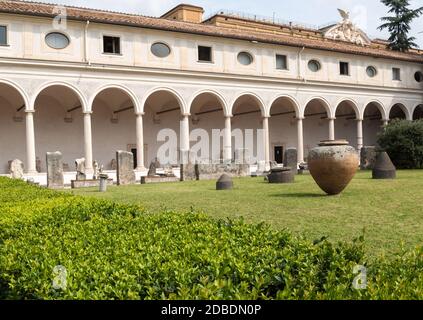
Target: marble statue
x=80 y=169
x=16 y=169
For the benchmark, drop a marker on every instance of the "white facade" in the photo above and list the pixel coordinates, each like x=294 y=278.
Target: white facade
x=41 y=89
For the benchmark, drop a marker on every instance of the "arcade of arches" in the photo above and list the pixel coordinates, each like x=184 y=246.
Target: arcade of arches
x=61 y=120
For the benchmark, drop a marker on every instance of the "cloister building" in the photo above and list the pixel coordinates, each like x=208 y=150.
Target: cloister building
x=89 y=82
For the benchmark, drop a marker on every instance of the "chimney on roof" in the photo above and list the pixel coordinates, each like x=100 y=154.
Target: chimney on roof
x=186 y=13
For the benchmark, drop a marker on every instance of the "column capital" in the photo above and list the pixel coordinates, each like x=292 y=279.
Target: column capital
x=187 y=114
x=29 y=111
x=331 y=118
x=87 y=112
x=139 y=113
x=359 y=119
x=229 y=116
x=300 y=118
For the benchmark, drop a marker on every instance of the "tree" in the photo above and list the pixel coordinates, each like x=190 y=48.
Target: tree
x=399 y=24
x=403 y=141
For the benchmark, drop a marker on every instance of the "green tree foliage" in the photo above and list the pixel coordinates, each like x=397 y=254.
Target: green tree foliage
x=399 y=24
x=403 y=141
x=116 y=251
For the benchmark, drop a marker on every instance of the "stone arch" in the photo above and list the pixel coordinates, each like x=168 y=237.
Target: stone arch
x=171 y=91
x=73 y=88
x=323 y=102
x=256 y=99
x=19 y=89
x=213 y=93
x=418 y=112
x=351 y=103
x=292 y=100
x=13 y=102
x=122 y=88
x=380 y=107
x=397 y=106
x=58 y=114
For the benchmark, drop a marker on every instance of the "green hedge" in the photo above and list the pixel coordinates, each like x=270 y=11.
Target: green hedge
x=114 y=251
x=403 y=140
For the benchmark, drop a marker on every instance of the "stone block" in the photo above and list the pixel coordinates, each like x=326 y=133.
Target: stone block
x=368 y=158
x=291 y=159
x=384 y=168
x=125 y=168
x=281 y=175
x=224 y=183
x=54 y=170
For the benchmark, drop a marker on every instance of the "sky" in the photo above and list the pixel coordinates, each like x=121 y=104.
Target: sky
x=365 y=13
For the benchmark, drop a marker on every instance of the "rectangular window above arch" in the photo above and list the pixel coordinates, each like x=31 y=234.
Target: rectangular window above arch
x=111 y=45
x=344 y=68
x=396 y=74
x=281 y=62
x=3 y=36
x=205 y=54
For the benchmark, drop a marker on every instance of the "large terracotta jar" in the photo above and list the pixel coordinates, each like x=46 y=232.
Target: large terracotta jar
x=333 y=165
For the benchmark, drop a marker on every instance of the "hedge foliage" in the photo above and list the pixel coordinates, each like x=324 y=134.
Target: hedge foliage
x=403 y=140
x=114 y=251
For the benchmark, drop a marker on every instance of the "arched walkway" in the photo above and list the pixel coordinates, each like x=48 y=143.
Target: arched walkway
x=164 y=111
x=12 y=126
x=208 y=114
x=316 y=123
x=113 y=126
x=398 y=111
x=283 y=127
x=58 y=123
x=346 y=124
x=418 y=112
x=372 y=123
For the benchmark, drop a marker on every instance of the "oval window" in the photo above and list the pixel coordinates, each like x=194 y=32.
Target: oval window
x=245 y=58
x=314 y=65
x=57 y=40
x=371 y=72
x=418 y=76
x=160 y=50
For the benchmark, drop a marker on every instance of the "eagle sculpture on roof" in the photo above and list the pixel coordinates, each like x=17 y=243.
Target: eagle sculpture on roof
x=344 y=14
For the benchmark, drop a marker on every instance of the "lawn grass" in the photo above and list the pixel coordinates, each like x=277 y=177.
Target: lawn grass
x=391 y=212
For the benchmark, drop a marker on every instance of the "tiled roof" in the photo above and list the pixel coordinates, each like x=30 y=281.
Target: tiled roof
x=83 y=14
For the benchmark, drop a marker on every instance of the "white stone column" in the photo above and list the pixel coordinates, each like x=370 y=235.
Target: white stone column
x=227 y=140
x=266 y=142
x=30 y=143
x=140 y=141
x=185 y=144
x=88 y=143
x=385 y=122
x=331 y=128
x=359 y=134
x=300 y=137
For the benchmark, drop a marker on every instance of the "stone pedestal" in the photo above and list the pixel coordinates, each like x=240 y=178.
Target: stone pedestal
x=367 y=158
x=189 y=170
x=54 y=170
x=224 y=183
x=125 y=168
x=384 y=168
x=281 y=175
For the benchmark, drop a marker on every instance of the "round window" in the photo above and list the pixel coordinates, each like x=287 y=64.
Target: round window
x=160 y=50
x=314 y=65
x=371 y=72
x=418 y=76
x=57 y=40
x=245 y=58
